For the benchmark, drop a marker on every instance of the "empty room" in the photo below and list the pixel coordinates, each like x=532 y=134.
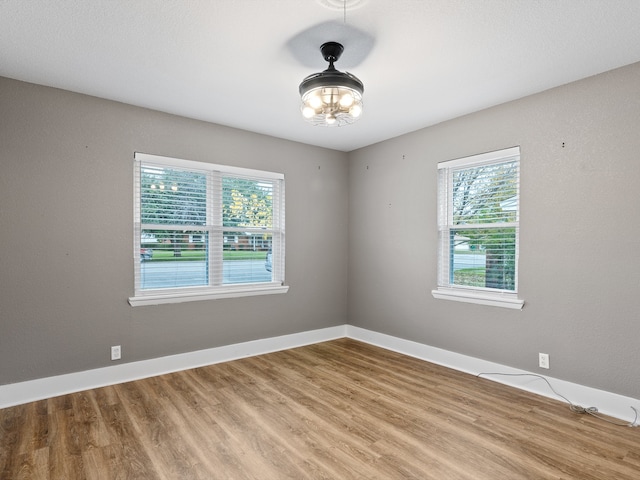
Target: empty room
x=319 y=239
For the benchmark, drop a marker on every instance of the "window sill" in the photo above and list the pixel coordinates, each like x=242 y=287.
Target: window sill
x=504 y=300
x=153 y=298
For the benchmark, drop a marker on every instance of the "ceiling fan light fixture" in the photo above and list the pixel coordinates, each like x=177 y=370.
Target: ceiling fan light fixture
x=356 y=111
x=331 y=97
x=346 y=100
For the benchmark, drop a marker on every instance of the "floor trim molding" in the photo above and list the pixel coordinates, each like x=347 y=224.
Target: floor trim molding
x=608 y=403
x=41 y=388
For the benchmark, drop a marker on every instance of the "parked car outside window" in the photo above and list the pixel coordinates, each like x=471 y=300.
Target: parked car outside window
x=267 y=262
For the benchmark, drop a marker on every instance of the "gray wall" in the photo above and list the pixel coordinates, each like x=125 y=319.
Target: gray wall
x=579 y=238
x=66 y=232
x=66 y=266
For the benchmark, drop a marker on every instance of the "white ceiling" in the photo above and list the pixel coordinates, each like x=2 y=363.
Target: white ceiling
x=239 y=62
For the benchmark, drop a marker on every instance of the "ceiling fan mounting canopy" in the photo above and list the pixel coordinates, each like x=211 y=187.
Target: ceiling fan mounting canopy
x=331 y=51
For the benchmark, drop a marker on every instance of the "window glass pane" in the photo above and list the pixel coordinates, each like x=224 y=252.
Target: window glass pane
x=483 y=258
x=173 y=258
x=172 y=196
x=485 y=194
x=246 y=257
x=247 y=202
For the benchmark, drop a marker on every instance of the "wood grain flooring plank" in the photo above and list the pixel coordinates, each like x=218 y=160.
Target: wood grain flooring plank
x=304 y=432
x=263 y=450
x=144 y=406
x=10 y=433
x=125 y=454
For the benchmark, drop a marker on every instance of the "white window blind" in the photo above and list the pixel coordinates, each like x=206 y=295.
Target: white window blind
x=206 y=231
x=478 y=227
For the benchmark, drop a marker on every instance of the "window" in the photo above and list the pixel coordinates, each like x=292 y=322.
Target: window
x=478 y=216
x=205 y=231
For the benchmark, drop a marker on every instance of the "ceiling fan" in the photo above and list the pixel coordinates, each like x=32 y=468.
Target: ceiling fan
x=331 y=98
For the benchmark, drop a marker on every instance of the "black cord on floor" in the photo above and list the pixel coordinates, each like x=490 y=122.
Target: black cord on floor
x=572 y=406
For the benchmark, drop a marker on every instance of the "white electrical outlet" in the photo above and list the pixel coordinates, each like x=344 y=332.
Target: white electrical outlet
x=116 y=352
x=543 y=360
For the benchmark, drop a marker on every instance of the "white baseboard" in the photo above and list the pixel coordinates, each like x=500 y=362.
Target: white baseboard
x=612 y=404
x=39 y=389
x=608 y=403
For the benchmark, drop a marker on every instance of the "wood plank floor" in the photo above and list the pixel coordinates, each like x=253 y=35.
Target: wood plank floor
x=335 y=410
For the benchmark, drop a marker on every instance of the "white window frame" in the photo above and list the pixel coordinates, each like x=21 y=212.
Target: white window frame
x=445 y=290
x=215 y=289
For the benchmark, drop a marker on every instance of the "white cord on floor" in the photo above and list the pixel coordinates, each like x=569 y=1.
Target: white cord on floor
x=572 y=406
